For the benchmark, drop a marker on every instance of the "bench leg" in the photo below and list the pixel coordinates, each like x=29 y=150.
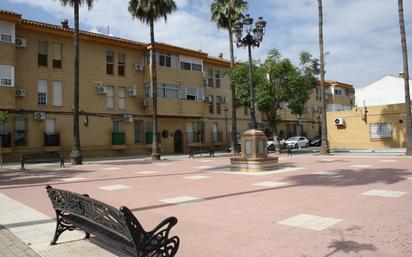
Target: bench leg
x=22 y=166
x=60 y=228
x=87 y=236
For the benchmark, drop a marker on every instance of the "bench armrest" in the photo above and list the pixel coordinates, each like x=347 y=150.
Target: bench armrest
x=160 y=233
x=170 y=222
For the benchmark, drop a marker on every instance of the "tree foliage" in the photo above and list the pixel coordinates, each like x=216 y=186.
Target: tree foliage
x=277 y=82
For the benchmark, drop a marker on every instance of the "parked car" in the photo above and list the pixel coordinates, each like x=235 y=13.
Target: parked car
x=316 y=141
x=271 y=144
x=297 y=142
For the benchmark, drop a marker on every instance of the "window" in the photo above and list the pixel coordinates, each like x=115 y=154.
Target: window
x=7 y=32
x=138 y=132
x=122 y=98
x=42 y=92
x=3 y=128
x=338 y=92
x=20 y=131
x=211 y=102
x=148 y=90
x=50 y=126
x=185 y=65
x=149 y=132
x=42 y=54
x=165 y=60
x=218 y=104
x=217 y=77
x=167 y=91
x=347 y=93
x=109 y=97
x=121 y=62
x=57 y=55
x=191 y=93
x=116 y=127
x=109 y=62
x=6 y=75
x=196 y=67
x=210 y=78
x=57 y=93
x=381 y=131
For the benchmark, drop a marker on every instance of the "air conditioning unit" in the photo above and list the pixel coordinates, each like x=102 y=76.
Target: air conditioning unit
x=101 y=90
x=144 y=103
x=128 y=117
x=225 y=99
x=21 y=42
x=139 y=66
x=39 y=115
x=131 y=92
x=20 y=92
x=339 y=122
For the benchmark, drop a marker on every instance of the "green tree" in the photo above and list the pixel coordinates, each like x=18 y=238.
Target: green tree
x=76 y=155
x=406 y=80
x=225 y=13
x=277 y=83
x=325 y=143
x=149 y=11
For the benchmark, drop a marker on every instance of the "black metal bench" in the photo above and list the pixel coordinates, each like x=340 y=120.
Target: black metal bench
x=118 y=228
x=193 y=150
x=41 y=157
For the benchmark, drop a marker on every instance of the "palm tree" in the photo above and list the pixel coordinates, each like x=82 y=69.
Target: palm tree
x=406 y=79
x=325 y=144
x=225 y=13
x=76 y=155
x=149 y=11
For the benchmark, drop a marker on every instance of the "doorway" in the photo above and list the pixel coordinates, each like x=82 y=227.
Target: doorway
x=178 y=141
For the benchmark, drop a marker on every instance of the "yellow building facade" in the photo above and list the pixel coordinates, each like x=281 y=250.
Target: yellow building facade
x=36 y=89
x=381 y=126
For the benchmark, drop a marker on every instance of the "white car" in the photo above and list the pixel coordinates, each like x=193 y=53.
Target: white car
x=271 y=144
x=297 y=142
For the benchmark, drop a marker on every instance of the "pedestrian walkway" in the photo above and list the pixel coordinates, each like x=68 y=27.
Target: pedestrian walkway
x=11 y=246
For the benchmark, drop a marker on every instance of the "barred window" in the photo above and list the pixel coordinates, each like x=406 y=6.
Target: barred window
x=42 y=92
x=381 y=131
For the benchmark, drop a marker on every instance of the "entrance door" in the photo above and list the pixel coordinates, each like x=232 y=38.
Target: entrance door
x=178 y=141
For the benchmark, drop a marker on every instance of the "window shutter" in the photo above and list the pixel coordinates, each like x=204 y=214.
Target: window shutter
x=183 y=92
x=57 y=93
x=42 y=86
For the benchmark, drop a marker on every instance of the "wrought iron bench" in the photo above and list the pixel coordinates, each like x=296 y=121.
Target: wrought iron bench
x=193 y=150
x=41 y=157
x=118 y=228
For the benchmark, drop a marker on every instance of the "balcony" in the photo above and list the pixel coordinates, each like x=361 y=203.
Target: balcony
x=51 y=139
x=118 y=140
x=5 y=140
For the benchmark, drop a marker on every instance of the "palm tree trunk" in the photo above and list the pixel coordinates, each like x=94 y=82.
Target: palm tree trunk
x=408 y=136
x=155 y=143
x=325 y=144
x=233 y=94
x=76 y=154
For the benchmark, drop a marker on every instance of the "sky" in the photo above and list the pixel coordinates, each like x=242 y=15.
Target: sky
x=361 y=37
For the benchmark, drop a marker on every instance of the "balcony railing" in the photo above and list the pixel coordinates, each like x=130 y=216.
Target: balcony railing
x=51 y=139
x=149 y=137
x=5 y=140
x=118 y=138
x=217 y=137
x=194 y=137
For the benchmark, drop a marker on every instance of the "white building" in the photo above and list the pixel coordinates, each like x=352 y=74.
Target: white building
x=387 y=90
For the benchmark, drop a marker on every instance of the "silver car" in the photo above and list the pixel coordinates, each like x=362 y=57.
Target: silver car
x=297 y=142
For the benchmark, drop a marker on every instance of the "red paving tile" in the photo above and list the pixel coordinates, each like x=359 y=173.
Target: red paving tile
x=237 y=218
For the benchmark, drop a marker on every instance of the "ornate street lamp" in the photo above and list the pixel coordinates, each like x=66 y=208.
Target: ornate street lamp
x=225 y=110
x=254 y=155
x=247 y=36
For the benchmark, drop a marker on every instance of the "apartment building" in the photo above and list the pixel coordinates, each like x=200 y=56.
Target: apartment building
x=36 y=91
x=339 y=97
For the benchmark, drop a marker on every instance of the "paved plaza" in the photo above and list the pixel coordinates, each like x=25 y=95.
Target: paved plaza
x=311 y=206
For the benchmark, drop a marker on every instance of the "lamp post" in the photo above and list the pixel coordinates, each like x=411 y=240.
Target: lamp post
x=225 y=110
x=245 y=27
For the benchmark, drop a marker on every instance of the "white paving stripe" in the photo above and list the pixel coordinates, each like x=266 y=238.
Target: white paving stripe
x=259 y=173
x=181 y=199
x=203 y=167
x=384 y=193
x=361 y=166
x=164 y=164
x=112 y=168
x=196 y=177
x=327 y=173
x=114 y=187
x=36 y=230
x=328 y=160
x=206 y=160
x=148 y=172
x=270 y=184
x=409 y=177
x=73 y=179
x=308 y=221
x=388 y=161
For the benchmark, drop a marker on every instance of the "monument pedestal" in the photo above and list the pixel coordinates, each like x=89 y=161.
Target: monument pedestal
x=254 y=156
